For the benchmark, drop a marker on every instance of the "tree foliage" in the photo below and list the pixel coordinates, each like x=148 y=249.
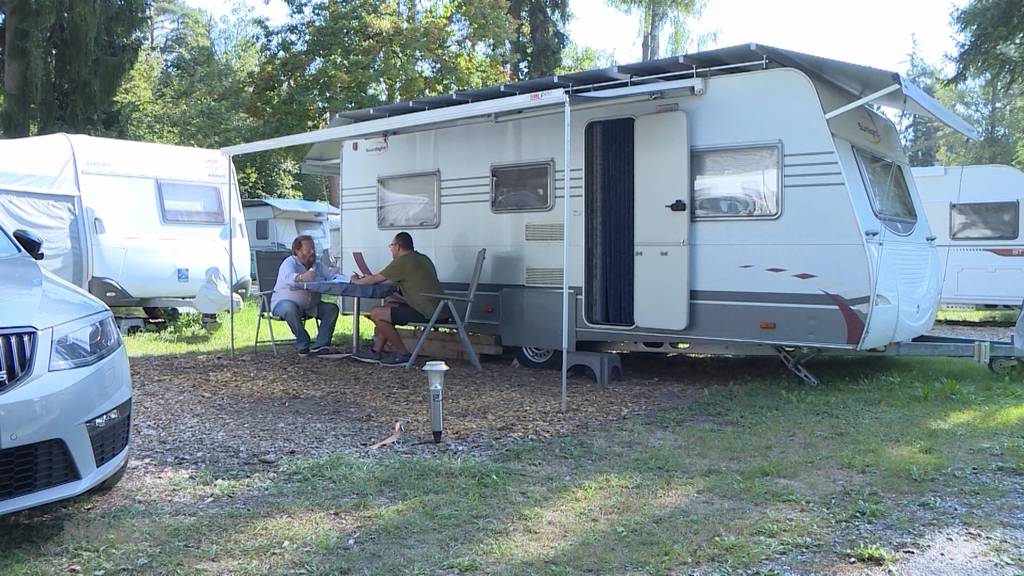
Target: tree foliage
x=63 y=61
x=993 y=40
x=655 y=15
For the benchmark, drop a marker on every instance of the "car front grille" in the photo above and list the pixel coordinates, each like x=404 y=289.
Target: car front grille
x=34 y=467
x=17 y=351
x=109 y=433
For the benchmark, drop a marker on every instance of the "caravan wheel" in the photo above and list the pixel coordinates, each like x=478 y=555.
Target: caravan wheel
x=539 y=357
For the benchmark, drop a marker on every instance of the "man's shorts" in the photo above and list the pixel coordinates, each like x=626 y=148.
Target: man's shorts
x=405 y=314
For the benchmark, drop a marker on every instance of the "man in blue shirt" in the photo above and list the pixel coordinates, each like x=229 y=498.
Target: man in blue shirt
x=292 y=303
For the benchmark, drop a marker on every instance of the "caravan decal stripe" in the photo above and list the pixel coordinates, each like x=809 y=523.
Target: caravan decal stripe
x=822 y=185
x=484 y=201
x=463 y=186
x=771 y=297
x=854 y=323
x=810 y=174
x=796 y=154
x=811 y=164
x=464 y=194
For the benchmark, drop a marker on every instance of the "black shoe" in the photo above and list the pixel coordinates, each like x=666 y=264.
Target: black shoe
x=396 y=360
x=303 y=351
x=370 y=356
x=320 y=351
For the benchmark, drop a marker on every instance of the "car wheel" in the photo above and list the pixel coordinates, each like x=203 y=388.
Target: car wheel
x=531 y=357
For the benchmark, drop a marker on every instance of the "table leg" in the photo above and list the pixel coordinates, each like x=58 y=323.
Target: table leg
x=355 y=325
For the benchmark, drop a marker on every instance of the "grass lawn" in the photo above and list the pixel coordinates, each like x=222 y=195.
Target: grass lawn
x=753 y=476
x=188 y=336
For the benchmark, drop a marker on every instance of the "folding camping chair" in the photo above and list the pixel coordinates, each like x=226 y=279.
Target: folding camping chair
x=457 y=322
x=268 y=263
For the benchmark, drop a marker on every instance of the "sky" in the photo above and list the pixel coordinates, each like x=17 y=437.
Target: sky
x=876 y=33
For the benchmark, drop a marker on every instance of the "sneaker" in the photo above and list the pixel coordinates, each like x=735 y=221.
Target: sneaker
x=396 y=360
x=320 y=351
x=303 y=351
x=370 y=356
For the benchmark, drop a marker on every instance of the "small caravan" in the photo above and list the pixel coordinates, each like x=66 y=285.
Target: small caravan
x=975 y=214
x=743 y=200
x=272 y=223
x=134 y=223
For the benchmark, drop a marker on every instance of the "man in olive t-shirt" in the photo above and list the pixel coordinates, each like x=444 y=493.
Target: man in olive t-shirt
x=415 y=275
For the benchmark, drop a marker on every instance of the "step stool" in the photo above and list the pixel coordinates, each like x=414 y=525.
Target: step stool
x=603 y=364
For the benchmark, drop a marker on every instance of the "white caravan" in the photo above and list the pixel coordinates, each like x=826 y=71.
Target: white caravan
x=742 y=200
x=134 y=223
x=974 y=212
x=272 y=223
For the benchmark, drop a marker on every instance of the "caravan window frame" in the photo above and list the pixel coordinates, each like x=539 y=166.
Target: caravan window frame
x=160 y=183
x=548 y=164
x=1016 y=220
x=779 y=196
x=900 y=225
x=436 y=174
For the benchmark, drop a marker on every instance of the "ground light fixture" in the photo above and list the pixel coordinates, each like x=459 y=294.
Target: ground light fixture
x=435 y=381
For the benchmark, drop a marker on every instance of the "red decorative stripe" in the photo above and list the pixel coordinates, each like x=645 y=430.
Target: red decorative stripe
x=804 y=276
x=1006 y=251
x=854 y=325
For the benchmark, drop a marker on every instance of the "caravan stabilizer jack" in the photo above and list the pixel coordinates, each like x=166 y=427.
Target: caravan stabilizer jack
x=795 y=363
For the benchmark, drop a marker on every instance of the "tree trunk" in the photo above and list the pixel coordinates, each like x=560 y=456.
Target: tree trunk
x=15 y=117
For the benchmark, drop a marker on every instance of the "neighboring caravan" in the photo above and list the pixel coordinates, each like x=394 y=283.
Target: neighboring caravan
x=273 y=223
x=134 y=223
x=741 y=200
x=975 y=214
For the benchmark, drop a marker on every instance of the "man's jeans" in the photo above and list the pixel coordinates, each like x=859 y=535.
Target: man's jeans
x=292 y=314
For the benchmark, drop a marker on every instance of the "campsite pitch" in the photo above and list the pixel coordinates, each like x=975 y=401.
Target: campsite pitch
x=264 y=465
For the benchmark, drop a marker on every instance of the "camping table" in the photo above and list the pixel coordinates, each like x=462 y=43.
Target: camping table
x=357 y=292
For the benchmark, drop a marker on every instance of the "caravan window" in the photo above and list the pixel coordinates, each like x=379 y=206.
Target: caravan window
x=984 y=221
x=736 y=182
x=191 y=203
x=409 y=201
x=521 y=188
x=887 y=188
x=311 y=228
x=262 y=230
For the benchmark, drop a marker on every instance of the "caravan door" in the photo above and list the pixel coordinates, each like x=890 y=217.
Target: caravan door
x=661 y=222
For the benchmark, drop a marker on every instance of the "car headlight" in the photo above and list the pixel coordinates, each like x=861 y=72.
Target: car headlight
x=84 y=342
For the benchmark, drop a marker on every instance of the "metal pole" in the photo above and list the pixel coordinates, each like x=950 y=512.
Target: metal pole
x=231 y=258
x=565 y=252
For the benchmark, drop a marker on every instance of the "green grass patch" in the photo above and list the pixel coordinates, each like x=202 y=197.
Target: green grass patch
x=187 y=335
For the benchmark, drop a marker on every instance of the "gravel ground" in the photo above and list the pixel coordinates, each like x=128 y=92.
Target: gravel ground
x=223 y=413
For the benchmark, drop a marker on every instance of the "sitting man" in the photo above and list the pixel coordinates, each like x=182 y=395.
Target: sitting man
x=294 y=304
x=415 y=275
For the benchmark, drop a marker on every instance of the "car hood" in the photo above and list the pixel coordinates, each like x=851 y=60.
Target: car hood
x=30 y=296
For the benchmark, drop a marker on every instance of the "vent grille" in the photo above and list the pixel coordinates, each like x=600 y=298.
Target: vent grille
x=545 y=232
x=543 y=276
x=109 y=439
x=16 y=355
x=35 y=467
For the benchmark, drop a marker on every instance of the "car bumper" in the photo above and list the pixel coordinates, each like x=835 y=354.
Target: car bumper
x=63 y=433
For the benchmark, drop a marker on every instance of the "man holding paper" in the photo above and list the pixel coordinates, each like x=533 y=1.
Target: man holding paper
x=415 y=275
x=294 y=304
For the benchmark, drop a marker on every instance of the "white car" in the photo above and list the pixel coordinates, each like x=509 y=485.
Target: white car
x=65 y=387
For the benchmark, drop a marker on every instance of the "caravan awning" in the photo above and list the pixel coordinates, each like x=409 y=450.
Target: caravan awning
x=870 y=85
x=863 y=83
x=289 y=205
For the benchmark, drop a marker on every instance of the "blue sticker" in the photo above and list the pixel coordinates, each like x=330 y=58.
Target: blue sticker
x=182 y=274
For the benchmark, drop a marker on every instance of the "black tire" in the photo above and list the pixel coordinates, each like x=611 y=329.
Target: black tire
x=543 y=358
x=112 y=481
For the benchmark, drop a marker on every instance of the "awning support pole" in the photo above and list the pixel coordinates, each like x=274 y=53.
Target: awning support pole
x=231 y=257
x=565 y=252
x=862 y=101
